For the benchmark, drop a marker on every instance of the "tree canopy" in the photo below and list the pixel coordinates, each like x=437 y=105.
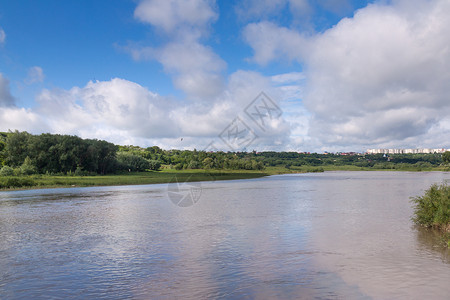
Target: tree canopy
x=25 y=153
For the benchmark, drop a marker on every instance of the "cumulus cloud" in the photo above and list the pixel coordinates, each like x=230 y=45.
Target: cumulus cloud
x=272 y=42
x=107 y=106
x=125 y=112
x=35 y=74
x=6 y=99
x=194 y=67
x=377 y=78
x=13 y=117
x=176 y=15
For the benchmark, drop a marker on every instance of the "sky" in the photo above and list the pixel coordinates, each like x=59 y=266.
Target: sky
x=265 y=75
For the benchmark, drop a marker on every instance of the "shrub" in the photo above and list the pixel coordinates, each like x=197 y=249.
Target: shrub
x=194 y=164
x=27 y=168
x=154 y=165
x=79 y=172
x=132 y=162
x=433 y=208
x=16 y=182
x=6 y=171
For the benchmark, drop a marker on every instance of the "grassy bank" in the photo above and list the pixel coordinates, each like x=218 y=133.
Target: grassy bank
x=433 y=210
x=165 y=176
x=152 y=177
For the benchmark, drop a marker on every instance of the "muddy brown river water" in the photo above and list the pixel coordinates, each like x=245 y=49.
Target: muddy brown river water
x=332 y=235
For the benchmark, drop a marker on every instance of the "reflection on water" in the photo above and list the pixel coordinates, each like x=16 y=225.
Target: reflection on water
x=431 y=240
x=329 y=236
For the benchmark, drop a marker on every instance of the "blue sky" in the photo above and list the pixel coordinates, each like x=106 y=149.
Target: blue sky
x=347 y=75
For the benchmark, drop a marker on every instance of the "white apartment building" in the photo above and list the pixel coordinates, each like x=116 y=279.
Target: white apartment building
x=406 y=151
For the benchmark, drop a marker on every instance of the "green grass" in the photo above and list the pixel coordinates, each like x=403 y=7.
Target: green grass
x=152 y=177
x=433 y=209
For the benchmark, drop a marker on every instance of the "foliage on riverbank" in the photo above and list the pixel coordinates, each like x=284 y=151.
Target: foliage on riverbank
x=23 y=154
x=433 y=209
x=128 y=178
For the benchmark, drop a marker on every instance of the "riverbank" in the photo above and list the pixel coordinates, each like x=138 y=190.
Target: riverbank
x=135 y=178
x=167 y=176
x=132 y=178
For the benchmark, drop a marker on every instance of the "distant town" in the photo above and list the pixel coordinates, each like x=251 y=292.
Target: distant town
x=406 y=151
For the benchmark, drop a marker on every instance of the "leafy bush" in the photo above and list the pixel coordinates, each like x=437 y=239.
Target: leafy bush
x=80 y=172
x=314 y=170
x=179 y=166
x=132 y=162
x=27 y=168
x=16 y=182
x=6 y=171
x=194 y=164
x=154 y=165
x=433 y=208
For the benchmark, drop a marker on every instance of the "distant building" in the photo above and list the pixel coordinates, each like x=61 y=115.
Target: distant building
x=406 y=151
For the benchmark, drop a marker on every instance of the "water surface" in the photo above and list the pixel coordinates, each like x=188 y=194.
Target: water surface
x=333 y=235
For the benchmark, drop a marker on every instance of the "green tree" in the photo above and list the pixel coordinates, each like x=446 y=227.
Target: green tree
x=43 y=152
x=6 y=171
x=17 y=148
x=194 y=164
x=208 y=163
x=132 y=162
x=154 y=165
x=2 y=153
x=446 y=157
x=27 y=168
x=106 y=156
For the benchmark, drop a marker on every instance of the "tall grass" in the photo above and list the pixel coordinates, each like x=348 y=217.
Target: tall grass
x=433 y=209
x=50 y=181
x=16 y=182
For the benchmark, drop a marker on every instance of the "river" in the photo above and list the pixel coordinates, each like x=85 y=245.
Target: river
x=332 y=235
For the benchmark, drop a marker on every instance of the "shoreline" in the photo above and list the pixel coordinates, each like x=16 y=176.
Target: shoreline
x=170 y=176
x=136 y=178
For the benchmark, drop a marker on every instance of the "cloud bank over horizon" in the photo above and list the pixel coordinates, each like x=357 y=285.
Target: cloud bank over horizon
x=377 y=78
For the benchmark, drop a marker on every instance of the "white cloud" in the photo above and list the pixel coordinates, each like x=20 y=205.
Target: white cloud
x=13 y=117
x=2 y=36
x=194 y=67
x=175 y=15
x=125 y=112
x=6 y=99
x=107 y=106
x=271 y=42
x=35 y=74
x=378 y=78
x=197 y=69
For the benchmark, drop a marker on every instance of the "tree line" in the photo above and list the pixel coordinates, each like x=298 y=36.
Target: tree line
x=53 y=153
x=22 y=153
